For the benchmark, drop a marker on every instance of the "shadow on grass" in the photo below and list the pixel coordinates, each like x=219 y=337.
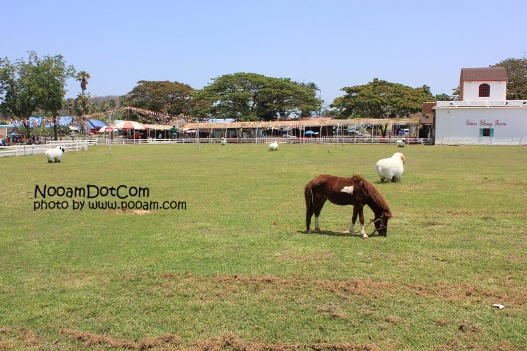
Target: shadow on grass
x=341 y=234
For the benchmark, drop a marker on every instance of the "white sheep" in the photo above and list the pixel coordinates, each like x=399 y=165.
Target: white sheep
x=391 y=169
x=55 y=154
x=223 y=141
x=273 y=146
x=400 y=142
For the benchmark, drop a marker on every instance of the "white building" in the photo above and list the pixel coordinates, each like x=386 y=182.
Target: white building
x=482 y=116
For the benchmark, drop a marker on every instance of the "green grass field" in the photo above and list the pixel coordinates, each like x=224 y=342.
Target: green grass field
x=234 y=268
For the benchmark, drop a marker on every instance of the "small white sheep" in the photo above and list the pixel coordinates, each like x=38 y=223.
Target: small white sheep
x=400 y=142
x=223 y=141
x=391 y=169
x=273 y=146
x=55 y=154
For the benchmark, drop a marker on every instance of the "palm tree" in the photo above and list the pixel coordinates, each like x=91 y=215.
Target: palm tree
x=84 y=78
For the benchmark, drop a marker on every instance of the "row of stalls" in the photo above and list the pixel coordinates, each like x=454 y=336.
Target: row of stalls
x=317 y=127
x=42 y=128
x=308 y=128
x=136 y=130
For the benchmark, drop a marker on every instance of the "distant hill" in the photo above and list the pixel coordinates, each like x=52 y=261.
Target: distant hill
x=100 y=99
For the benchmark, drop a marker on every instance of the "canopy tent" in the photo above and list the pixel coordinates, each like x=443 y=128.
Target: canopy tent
x=106 y=129
x=127 y=125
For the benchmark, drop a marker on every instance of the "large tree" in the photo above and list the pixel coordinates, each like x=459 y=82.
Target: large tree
x=37 y=83
x=516 y=78
x=163 y=96
x=381 y=99
x=282 y=97
x=251 y=96
x=234 y=95
x=17 y=96
x=50 y=83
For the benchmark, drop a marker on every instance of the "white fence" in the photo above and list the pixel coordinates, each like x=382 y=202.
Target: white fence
x=282 y=140
x=82 y=145
x=36 y=149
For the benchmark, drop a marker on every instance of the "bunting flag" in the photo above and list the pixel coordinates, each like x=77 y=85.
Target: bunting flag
x=34 y=122
x=149 y=117
x=146 y=116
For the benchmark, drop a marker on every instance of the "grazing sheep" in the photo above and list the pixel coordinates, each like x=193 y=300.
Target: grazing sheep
x=391 y=169
x=273 y=146
x=55 y=154
x=400 y=142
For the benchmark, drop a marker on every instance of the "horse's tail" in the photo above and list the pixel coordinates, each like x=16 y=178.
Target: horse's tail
x=308 y=193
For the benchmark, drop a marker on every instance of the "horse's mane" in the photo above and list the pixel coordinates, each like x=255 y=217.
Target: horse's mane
x=376 y=196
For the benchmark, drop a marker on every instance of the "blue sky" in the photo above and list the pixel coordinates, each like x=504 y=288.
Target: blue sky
x=333 y=43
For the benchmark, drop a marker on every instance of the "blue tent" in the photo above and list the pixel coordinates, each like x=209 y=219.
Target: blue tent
x=61 y=121
x=94 y=123
x=36 y=120
x=64 y=120
x=220 y=120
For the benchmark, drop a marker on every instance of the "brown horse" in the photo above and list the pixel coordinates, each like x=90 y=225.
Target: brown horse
x=355 y=191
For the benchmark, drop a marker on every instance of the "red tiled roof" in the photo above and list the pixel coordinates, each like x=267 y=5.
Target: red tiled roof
x=483 y=74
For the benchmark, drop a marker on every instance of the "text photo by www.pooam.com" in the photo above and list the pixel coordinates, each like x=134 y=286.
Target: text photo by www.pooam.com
x=97 y=197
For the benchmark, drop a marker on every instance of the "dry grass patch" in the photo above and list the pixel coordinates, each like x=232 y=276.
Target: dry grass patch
x=90 y=339
x=223 y=286
x=228 y=341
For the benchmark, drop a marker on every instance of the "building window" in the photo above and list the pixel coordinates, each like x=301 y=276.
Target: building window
x=484 y=90
x=486 y=132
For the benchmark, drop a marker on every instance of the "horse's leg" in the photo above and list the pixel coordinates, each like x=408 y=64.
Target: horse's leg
x=318 y=208
x=361 y=219
x=309 y=213
x=308 y=220
x=308 y=192
x=354 y=219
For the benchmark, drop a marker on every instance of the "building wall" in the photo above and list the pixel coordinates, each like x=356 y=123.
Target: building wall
x=498 y=91
x=5 y=129
x=481 y=125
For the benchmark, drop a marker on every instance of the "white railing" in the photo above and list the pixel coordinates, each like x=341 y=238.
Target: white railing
x=266 y=140
x=36 y=149
x=82 y=145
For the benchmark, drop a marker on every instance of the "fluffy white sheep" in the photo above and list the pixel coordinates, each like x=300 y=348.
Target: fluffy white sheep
x=391 y=169
x=400 y=142
x=223 y=141
x=55 y=154
x=273 y=146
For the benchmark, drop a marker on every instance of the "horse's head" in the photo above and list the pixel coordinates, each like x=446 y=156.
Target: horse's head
x=381 y=223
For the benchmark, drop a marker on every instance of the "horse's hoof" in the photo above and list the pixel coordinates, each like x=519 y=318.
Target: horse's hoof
x=365 y=237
